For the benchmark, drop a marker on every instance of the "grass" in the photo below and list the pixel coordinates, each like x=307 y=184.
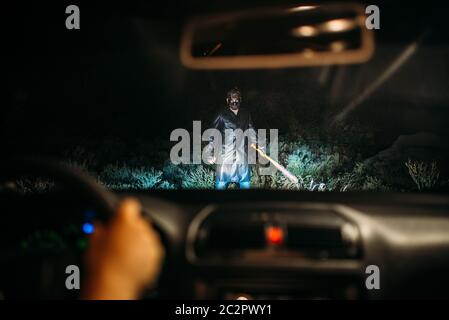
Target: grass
x=424 y=174
x=319 y=166
x=123 y=177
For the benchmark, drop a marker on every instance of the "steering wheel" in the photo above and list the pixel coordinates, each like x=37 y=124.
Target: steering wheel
x=77 y=182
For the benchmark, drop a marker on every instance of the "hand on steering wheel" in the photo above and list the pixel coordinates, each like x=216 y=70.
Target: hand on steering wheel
x=124 y=256
x=125 y=253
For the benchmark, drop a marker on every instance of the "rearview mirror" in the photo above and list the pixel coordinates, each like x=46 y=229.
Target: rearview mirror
x=307 y=35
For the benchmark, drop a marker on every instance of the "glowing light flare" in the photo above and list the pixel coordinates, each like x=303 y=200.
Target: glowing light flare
x=331 y=26
x=302 y=8
x=88 y=228
x=274 y=235
x=338 y=46
x=305 y=31
x=338 y=25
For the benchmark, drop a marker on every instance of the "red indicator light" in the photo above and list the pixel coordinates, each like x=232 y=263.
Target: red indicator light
x=274 y=235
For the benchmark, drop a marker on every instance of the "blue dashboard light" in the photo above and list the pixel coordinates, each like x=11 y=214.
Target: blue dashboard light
x=88 y=228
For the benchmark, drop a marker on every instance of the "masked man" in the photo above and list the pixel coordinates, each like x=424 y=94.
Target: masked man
x=237 y=133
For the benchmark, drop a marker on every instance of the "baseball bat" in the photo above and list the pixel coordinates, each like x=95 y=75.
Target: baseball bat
x=278 y=166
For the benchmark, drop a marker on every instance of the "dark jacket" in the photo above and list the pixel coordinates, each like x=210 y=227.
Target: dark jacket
x=233 y=166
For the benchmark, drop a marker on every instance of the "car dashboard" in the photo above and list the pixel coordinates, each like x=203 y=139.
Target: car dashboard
x=252 y=244
x=294 y=245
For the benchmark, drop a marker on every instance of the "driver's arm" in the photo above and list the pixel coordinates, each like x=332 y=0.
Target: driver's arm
x=124 y=256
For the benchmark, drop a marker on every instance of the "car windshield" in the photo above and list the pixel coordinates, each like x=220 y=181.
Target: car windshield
x=115 y=100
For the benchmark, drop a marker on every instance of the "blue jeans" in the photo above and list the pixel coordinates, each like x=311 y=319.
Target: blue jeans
x=222 y=185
